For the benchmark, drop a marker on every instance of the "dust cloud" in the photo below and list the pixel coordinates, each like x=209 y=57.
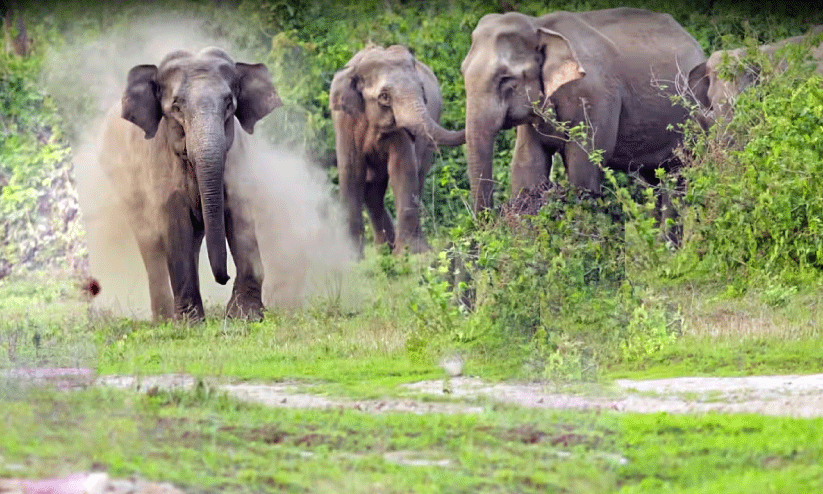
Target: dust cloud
x=305 y=250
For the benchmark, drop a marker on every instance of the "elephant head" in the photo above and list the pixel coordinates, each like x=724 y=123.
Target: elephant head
x=193 y=100
x=513 y=63
x=719 y=90
x=384 y=87
x=727 y=73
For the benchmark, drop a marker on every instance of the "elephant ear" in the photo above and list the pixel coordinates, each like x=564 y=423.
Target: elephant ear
x=256 y=96
x=699 y=84
x=344 y=94
x=560 y=63
x=141 y=101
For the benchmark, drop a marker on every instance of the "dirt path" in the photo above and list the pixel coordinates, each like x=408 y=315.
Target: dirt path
x=796 y=396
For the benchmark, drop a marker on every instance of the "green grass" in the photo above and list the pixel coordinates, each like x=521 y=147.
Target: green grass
x=209 y=442
x=362 y=350
x=205 y=441
x=722 y=453
x=727 y=357
x=736 y=336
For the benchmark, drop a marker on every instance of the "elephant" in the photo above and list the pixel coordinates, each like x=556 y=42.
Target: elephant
x=385 y=106
x=719 y=97
x=166 y=149
x=615 y=70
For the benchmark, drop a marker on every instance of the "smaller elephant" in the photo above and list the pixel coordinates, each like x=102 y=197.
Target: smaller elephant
x=386 y=106
x=181 y=127
x=720 y=92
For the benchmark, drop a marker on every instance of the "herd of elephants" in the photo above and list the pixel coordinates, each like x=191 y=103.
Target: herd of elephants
x=188 y=121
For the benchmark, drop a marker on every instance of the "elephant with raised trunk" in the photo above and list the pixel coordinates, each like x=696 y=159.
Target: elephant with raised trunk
x=167 y=147
x=614 y=70
x=386 y=107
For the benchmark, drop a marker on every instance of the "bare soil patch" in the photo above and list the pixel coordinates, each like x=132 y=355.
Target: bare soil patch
x=789 y=395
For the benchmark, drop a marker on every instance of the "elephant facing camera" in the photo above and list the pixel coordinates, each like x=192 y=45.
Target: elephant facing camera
x=386 y=105
x=166 y=149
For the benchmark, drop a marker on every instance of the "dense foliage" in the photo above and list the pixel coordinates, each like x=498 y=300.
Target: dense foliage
x=757 y=203
x=38 y=203
x=573 y=284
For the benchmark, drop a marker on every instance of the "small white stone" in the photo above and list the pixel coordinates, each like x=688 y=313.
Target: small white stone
x=453 y=365
x=96 y=483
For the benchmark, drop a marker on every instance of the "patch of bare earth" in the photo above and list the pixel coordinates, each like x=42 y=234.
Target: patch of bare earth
x=86 y=483
x=796 y=396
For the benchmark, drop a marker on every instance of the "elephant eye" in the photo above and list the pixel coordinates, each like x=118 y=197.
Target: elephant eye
x=384 y=98
x=507 y=83
x=175 y=106
x=229 y=103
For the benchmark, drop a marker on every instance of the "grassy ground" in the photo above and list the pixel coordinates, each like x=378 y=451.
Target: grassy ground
x=206 y=442
x=722 y=336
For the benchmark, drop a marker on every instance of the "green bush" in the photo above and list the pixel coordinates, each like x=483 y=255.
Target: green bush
x=555 y=289
x=755 y=191
x=38 y=203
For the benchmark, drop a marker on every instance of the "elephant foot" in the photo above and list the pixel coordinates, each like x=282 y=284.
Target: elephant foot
x=244 y=306
x=162 y=311
x=414 y=246
x=190 y=313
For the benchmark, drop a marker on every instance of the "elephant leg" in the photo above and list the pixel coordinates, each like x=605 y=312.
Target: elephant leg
x=155 y=261
x=665 y=212
x=425 y=156
x=531 y=161
x=351 y=166
x=246 y=296
x=352 y=185
x=582 y=173
x=604 y=118
x=182 y=256
x=404 y=170
x=375 y=193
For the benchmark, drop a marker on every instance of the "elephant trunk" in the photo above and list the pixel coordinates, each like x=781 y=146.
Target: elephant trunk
x=206 y=146
x=421 y=124
x=480 y=134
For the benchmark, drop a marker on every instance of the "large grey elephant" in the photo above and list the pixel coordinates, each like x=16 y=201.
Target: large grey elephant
x=386 y=107
x=166 y=149
x=613 y=69
x=723 y=91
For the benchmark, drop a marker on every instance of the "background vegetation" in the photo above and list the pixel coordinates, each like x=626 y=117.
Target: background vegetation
x=583 y=283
